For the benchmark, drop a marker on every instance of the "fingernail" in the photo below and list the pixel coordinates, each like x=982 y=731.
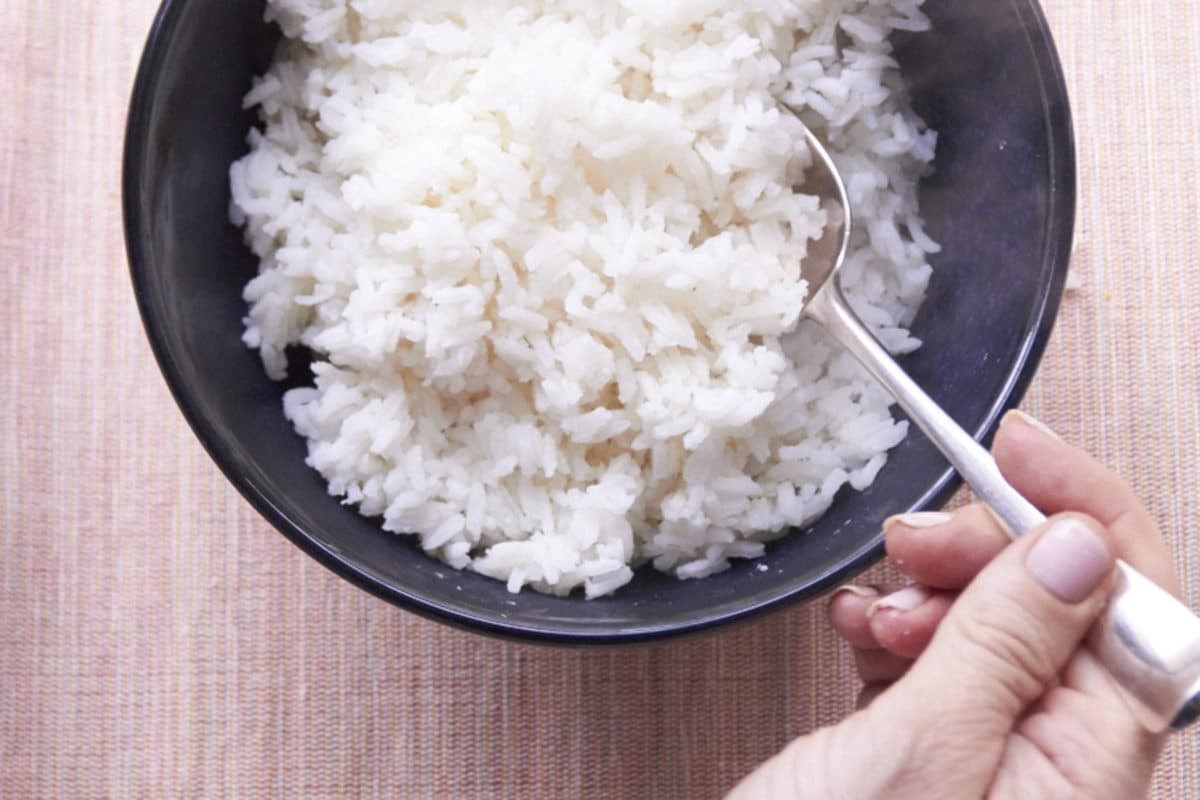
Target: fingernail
x=1069 y=560
x=857 y=591
x=908 y=599
x=1036 y=424
x=920 y=519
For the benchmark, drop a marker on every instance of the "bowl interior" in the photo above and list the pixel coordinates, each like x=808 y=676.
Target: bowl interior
x=1001 y=202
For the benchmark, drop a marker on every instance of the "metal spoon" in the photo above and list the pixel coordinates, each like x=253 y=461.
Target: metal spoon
x=1148 y=640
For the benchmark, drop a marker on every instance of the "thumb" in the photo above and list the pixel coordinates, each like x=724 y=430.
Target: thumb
x=1010 y=633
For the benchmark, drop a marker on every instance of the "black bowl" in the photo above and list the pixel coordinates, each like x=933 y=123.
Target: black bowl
x=1001 y=202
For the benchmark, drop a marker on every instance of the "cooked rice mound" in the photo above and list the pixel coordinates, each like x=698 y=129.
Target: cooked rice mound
x=547 y=258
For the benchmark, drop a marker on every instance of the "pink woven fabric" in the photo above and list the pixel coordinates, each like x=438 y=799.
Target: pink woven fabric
x=157 y=639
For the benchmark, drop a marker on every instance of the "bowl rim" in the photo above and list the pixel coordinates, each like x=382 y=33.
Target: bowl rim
x=1059 y=227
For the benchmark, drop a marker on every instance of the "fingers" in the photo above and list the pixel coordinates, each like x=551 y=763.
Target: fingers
x=887 y=631
x=848 y=615
x=944 y=550
x=1010 y=633
x=903 y=623
x=938 y=550
x=1057 y=477
x=851 y=614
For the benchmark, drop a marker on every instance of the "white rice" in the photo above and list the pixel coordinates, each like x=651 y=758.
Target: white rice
x=548 y=257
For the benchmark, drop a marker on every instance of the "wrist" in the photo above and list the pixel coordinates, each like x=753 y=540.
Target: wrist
x=847 y=761
x=861 y=759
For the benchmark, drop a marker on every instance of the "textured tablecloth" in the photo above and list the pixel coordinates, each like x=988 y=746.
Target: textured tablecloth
x=158 y=639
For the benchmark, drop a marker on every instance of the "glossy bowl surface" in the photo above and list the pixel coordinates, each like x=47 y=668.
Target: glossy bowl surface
x=1001 y=202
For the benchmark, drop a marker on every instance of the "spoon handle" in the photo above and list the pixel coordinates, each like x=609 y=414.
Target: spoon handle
x=1148 y=640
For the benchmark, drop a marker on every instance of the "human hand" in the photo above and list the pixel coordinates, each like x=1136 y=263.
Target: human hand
x=975 y=680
